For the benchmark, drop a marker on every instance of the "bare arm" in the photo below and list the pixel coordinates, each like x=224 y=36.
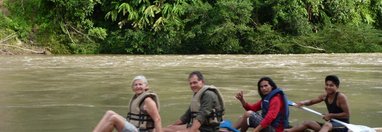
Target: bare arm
x=177 y=122
x=184 y=118
x=312 y=101
x=152 y=110
x=195 y=126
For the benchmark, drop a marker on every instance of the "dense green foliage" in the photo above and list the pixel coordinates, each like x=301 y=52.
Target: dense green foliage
x=197 y=26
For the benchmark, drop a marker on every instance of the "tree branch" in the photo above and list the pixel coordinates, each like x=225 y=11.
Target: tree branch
x=8 y=38
x=14 y=46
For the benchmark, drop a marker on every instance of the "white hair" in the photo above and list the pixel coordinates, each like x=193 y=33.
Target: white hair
x=139 y=77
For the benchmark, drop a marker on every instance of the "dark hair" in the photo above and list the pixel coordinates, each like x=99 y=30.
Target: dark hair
x=334 y=79
x=270 y=81
x=197 y=74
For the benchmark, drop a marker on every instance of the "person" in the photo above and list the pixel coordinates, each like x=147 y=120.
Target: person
x=143 y=112
x=273 y=106
x=205 y=111
x=336 y=103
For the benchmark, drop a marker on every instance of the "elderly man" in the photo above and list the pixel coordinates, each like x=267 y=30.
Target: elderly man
x=206 y=109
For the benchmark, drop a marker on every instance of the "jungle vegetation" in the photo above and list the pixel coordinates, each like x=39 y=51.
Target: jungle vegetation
x=196 y=26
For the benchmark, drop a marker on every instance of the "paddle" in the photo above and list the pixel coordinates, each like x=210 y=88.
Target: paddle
x=352 y=127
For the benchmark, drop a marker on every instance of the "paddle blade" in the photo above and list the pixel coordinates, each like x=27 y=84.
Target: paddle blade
x=360 y=128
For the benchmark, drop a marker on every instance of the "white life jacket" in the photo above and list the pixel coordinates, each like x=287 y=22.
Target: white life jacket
x=137 y=115
x=216 y=116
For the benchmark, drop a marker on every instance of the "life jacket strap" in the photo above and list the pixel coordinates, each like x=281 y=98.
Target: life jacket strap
x=138 y=117
x=212 y=115
x=218 y=115
x=149 y=129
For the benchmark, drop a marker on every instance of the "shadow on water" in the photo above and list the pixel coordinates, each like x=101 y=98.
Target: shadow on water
x=71 y=93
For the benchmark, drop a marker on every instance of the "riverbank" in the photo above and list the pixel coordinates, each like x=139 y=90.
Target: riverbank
x=11 y=45
x=8 y=49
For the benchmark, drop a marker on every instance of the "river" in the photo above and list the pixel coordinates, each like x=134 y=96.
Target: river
x=70 y=93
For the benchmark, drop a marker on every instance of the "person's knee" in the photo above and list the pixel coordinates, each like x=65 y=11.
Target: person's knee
x=328 y=125
x=247 y=114
x=110 y=112
x=114 y=118
x=308 y=124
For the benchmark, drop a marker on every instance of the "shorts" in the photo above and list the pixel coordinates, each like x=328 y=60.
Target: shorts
x=254 y=120
x=129 y=127
x=337 y=127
